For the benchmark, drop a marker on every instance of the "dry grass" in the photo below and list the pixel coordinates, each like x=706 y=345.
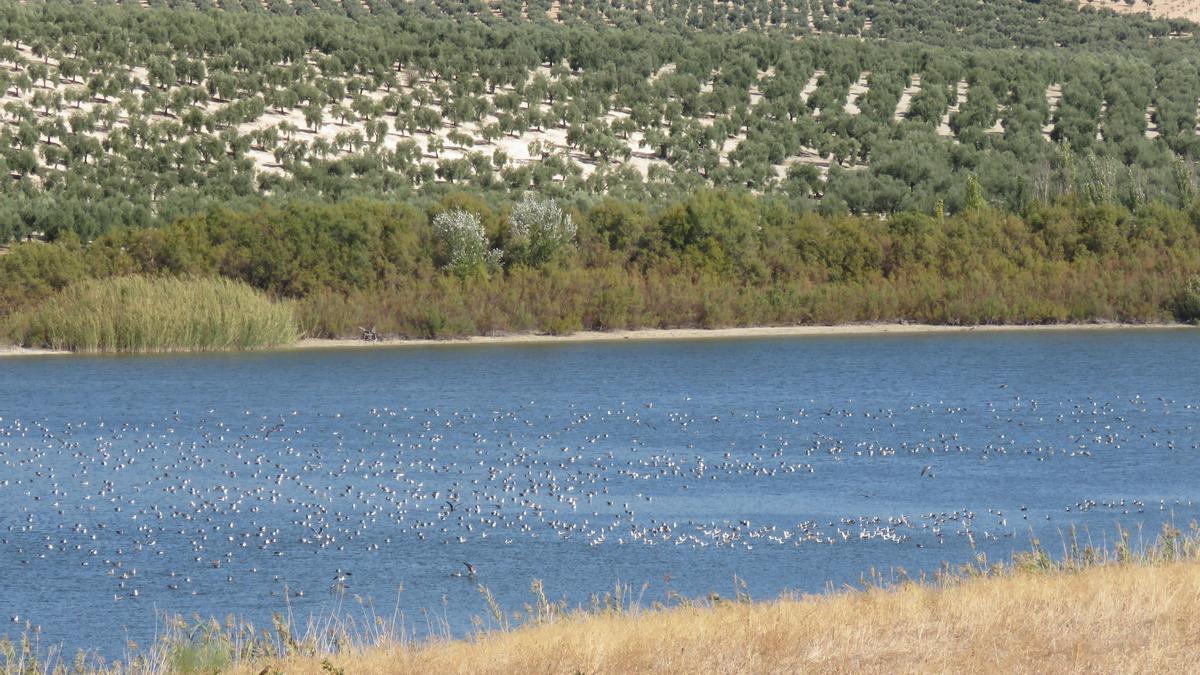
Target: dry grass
x=1110 y=619
x=1126 y=609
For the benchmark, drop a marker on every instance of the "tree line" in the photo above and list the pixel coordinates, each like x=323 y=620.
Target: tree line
x=711 y=259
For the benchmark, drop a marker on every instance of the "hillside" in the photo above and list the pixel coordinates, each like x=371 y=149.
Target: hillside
x=123 y=114
x=1188 y=10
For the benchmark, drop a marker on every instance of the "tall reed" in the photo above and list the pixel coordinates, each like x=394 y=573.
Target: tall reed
x=156 y=314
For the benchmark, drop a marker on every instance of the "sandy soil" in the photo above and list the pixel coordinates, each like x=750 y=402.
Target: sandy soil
x=857 y=91
x=905 y=102
x=13 y=350
x=655 y=334
x=961 y=90
x=1053 y=97
x=726 y=333
x=811 y=85
x=1169 y=9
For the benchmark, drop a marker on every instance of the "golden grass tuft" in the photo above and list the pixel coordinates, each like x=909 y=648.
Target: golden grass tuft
x=1122 y=610
x=1107 y=619
x=156 y=314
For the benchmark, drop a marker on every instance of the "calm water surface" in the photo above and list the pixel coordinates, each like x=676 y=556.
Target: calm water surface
x=132 y=486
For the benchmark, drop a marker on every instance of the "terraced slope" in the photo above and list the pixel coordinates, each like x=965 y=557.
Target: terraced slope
x=134 y=114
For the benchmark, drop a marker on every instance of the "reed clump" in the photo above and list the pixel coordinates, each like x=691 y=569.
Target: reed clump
x=156 y=314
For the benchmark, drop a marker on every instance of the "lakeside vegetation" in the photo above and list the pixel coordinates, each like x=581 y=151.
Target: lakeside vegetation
x=713 y=259
x=775 y=162
x=1125 y=608
x=143 y=314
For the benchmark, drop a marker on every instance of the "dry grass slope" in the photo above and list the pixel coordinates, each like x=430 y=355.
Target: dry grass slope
x=1108 y=619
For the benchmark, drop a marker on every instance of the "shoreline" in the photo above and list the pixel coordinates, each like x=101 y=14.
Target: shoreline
x=15 y=350
x=1007 y=622
x=668 y=334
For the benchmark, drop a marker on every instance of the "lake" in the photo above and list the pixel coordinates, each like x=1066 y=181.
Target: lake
x=234 y=483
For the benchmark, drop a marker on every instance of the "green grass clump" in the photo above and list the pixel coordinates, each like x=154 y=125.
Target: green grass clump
x=156 y=314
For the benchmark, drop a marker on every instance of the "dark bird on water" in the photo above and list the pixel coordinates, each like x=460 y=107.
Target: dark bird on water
x=470 y=571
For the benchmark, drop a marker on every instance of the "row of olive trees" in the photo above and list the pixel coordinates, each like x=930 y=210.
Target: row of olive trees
x=110 y=150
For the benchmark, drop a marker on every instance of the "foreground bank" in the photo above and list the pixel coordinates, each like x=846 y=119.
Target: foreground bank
x=1134 y=618
x=1126 y=609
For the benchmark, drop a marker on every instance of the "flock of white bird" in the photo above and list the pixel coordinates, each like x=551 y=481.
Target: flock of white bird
x=156 y=505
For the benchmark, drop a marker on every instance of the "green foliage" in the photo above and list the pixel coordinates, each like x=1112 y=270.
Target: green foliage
x=291 y=251
x=539 y=230
x=1187 y=301
x=200 y=657
x=111 y=123
x=144 y=314
x=614 y=226
x=974 y=200
x=712 y=259
x=464 y=242
x=33 y=270
x=713 y=230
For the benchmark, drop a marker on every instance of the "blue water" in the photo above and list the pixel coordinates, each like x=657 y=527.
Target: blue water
x=230 y=484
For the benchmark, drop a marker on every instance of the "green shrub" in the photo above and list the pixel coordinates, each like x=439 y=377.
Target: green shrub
x=156 y=314
x=1187 y=301
x=540 y=229
x=465 y=242
x=34 y=270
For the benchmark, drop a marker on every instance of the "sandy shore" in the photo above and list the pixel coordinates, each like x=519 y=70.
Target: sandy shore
x=680 y=334
x=726 y=333
x=12 y=350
